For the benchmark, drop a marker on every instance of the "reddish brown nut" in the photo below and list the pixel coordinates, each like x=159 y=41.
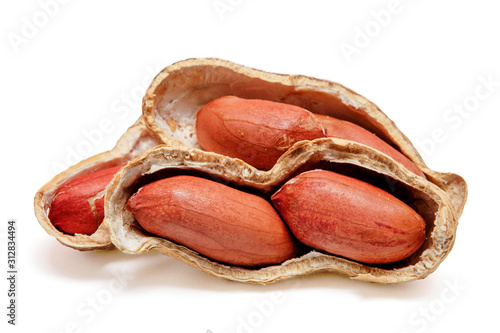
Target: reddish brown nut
x=350 y=218
x=217 y=221
x=256 y=131
x=337 y=128
x=78 y=206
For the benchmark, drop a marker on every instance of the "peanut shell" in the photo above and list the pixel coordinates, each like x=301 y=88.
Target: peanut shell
x=352 y=159
x=181 y=89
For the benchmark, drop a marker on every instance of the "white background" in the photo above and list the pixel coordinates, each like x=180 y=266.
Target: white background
x=67 y=66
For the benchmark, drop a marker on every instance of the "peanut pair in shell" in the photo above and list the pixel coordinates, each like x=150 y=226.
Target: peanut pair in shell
x=170 y=108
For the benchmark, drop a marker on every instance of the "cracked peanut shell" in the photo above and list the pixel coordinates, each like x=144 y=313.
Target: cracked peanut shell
x=340 y=156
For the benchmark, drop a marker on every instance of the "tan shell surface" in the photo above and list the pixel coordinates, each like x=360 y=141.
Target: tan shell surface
x=181 y=89
x=133 y=142
x=333 y=154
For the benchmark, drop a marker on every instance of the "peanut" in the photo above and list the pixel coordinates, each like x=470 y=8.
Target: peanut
x=346 y=130
x=217 y=221
x=255 y=131
x=348 y=217
x=78 y=206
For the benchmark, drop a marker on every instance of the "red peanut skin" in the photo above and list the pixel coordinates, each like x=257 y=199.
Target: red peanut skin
x=350 y=218
x=255 y=131
x=217 y=221
x=337 y=128
x=70 y=211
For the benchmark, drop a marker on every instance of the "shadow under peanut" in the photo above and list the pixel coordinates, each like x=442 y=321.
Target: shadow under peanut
x=153 y=270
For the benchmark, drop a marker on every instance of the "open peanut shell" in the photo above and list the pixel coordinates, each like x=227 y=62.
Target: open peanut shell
x=134 y=141
x=338 y=155
x=181 y=89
